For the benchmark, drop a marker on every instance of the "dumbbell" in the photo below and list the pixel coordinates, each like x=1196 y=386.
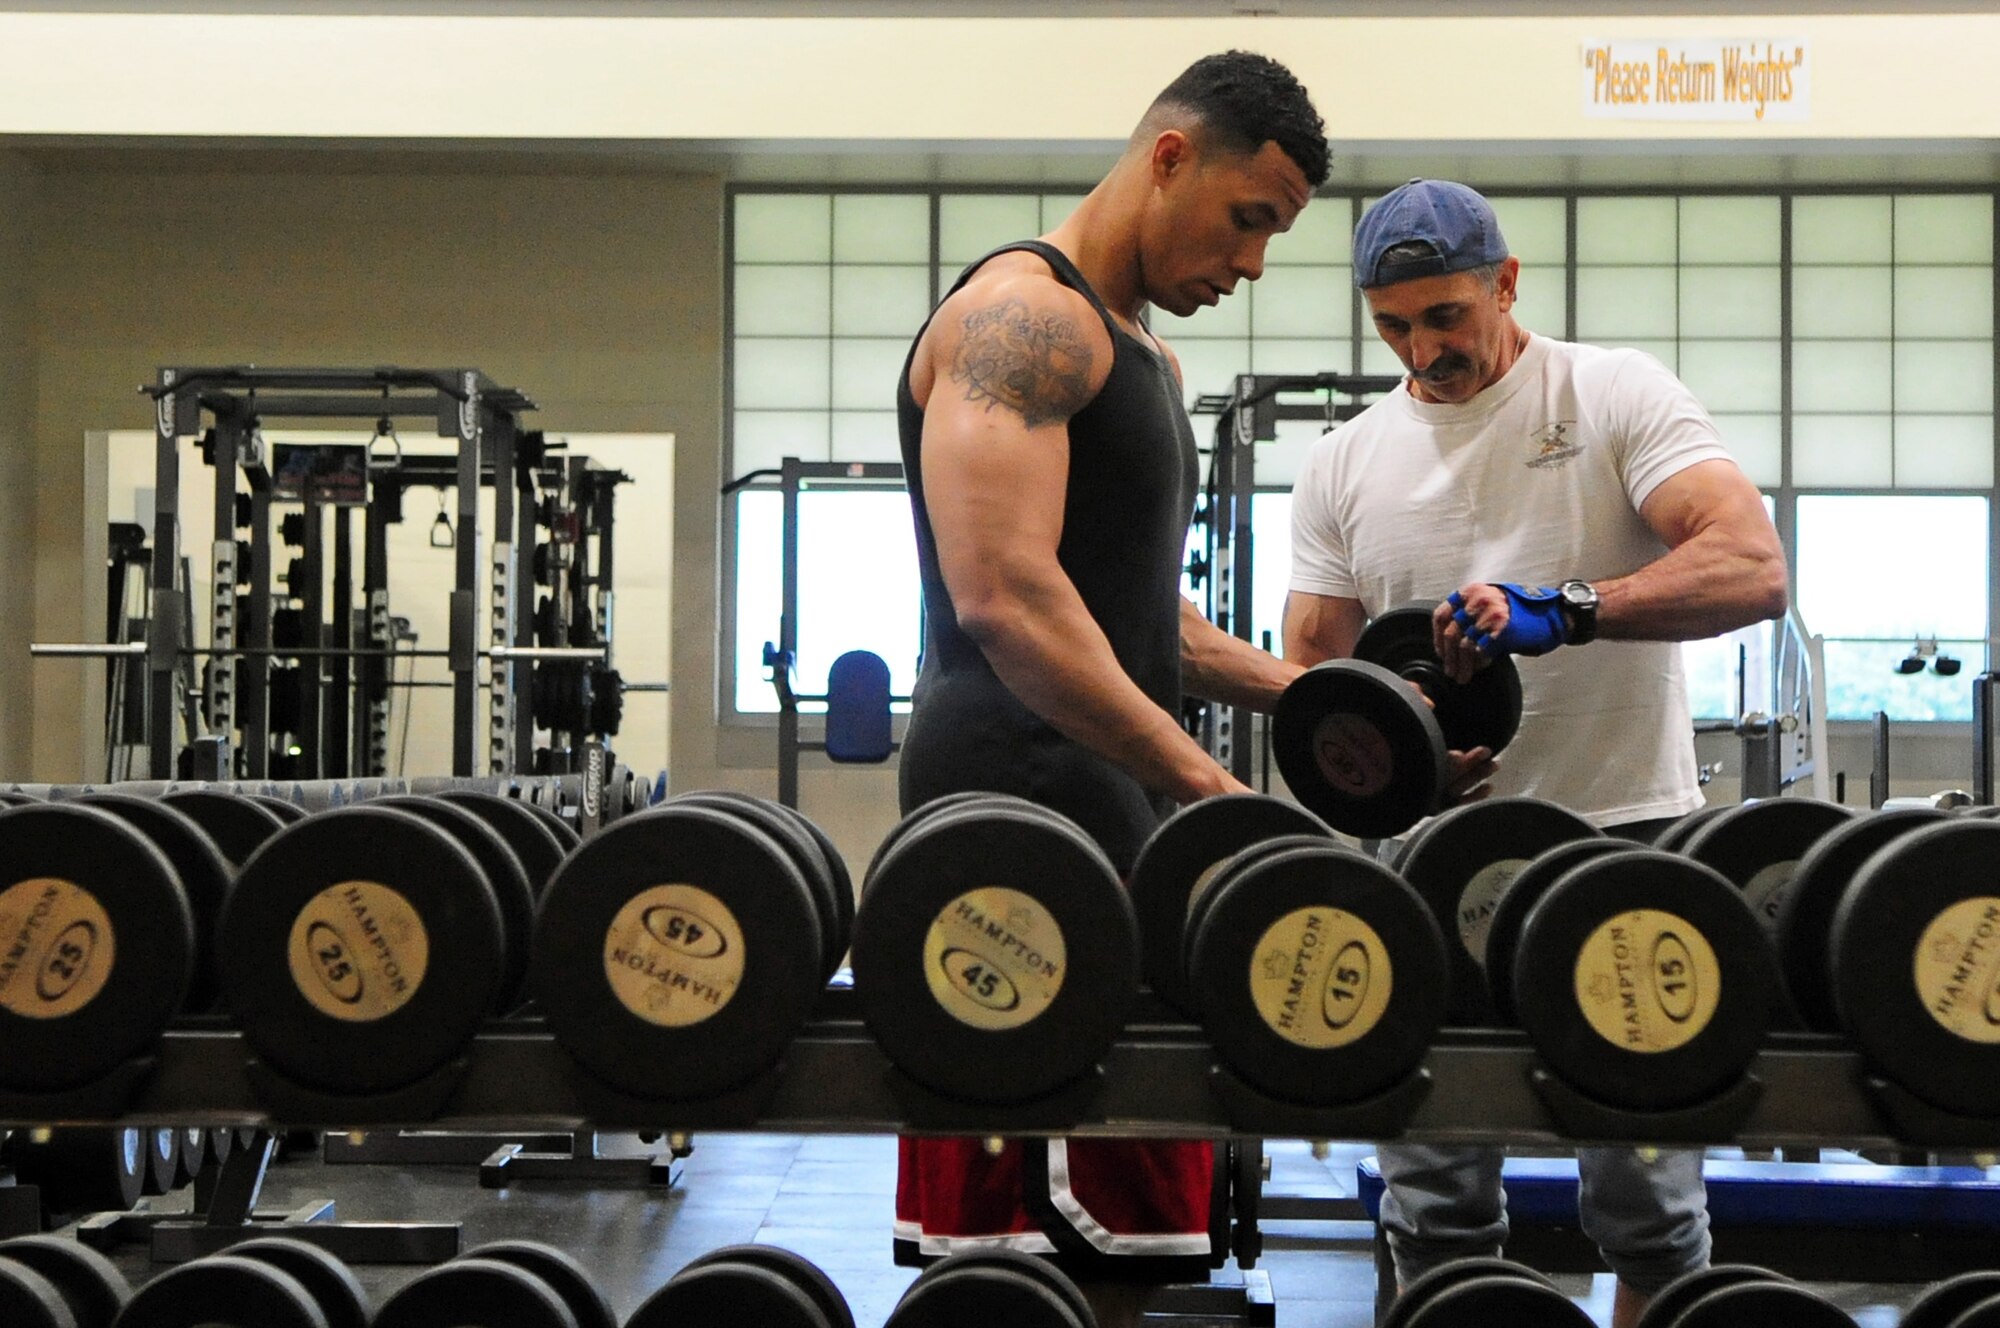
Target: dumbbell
x=677 y=952
x=505 y=877
x=1758 y=846
x=364 y=947
x=82 y=1169
x=1644 y=980
x=1674 y=836
x=204 y=872
x=557 y=1270
x=527 y=829
x=1502 y=942
x=744 y=1284
x=270 y=1282
x=89 y=1286
x=1940 y=1306
x=514 y=1291
x=814 y=854
x=1463 y=862
x=1180 y=861
x=1483 y=1293
x=239 y=824
x=995 y=952
x=1362 y=742
x=992 y=1289
x=163 y=1160
x=1740 y=1296
x=1319 y=974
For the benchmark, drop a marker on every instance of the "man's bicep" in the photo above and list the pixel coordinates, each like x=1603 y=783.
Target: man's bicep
x=993 y=487
x=1704 y=495
x=1321 y=627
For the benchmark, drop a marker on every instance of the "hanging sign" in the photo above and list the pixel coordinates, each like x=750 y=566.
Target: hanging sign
x=1759 y=79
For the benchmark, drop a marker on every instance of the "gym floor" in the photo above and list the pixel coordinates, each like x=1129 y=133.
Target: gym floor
x=829 y=1197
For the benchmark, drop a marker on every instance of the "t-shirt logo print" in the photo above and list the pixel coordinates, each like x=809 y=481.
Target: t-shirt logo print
x=1553 y=448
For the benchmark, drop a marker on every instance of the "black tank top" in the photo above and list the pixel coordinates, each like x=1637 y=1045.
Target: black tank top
x=1132 y=477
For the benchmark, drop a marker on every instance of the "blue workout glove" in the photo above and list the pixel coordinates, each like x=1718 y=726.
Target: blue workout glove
x=1535 y=622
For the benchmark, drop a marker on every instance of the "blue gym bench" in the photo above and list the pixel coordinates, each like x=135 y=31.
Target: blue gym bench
x=1831 y=1222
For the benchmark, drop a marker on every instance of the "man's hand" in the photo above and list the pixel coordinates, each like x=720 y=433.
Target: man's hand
x=1480 y=622
x=1471 y=776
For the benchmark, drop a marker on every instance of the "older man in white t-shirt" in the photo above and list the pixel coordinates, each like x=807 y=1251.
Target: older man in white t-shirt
x=1542 y=495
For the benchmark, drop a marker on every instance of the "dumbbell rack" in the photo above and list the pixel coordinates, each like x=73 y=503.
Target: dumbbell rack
x=1160 y=1080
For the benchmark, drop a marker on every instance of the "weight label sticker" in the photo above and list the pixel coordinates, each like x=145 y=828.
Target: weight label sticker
x=1958 y=969
x=1478 y=900
x=995 y=959
x=1321 y=978
x=56 y=948
x=1647 y=981
x=1766 y=890
x=1352 y=755
x=674 y=955
x=359 y=952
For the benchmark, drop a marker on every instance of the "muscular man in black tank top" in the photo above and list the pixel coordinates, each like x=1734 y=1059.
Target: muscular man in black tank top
x=1052 y=472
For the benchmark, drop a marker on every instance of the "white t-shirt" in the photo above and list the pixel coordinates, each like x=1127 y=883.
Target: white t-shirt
x=1536 y=480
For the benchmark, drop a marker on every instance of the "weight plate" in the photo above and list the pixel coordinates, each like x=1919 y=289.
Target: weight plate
x=96 y=945
x=223 y=1291
x=1359 y=747
x=677 y=952
x=1181 y=860
x=86 y=1169
x=238 y=826
x=505 y=877
x=1031 y=1265
x=192 y=1156
x=89 y=1284
x=800 y=1271
x=29 y=1300
x=1419 y=1292
x=1319 y=973
x=799 y=845
x=1804 y=924
x=163 y=1153
x=1463 y=863
x=1503 y=932
x=995 y=953
x=727 y=1295
x=539 y=849
x=1664 y=1310
x=982 y=1297
x=1235 y=865
x=287 y=812
x=1644 y=980
x=944 y=803
x=1499 y=1302
x=1763 y=1304
x=1485 y=712
x=1674 y=836
x=1980 y=1314
x=1916 y=963
x=204 y=875
x=564 y=1275
x=476 y=1293
x=1937 y=1307
x=1758 y=846
x=364 y=949
x=843 y=880
x=330 y=1282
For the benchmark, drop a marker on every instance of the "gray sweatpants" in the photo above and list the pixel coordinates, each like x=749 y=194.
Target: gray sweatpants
x=1647 y=1211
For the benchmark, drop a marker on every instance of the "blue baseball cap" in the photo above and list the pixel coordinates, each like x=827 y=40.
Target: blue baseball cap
x=1452 y=219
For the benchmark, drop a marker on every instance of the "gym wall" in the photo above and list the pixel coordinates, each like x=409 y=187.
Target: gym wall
x=17 y=487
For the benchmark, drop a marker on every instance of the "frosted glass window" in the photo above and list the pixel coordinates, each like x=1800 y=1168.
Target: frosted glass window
x=1377 y=358
x=1830 y=376
x=1279 y=462
x=1848 y=589
x=880 y=301
x=781 y=375
x=1271 y=563
x=1540 y=303
x=1733 y=376
x=1944 y=302
x=865 y=373
x=782 y=301
x=1842 y=302
x=865 y=436
x=1944 y=228
x=1757 y=443
x=1300 y=302
x=1625 y=302
x=881 y=228
x=1626 y=230
x=1944 y=452
x=972 y=224
x=1944 y=375
x=783 y=228
x=1300 y=357
x=1730 y=230
x=1840 y=230
x=1209 y=368
x=1056 y=209
x=1229 y=319
x=763 y=438
x=1841 y=452
x=1537 y=229
x=1731 y=302
x=1323 y=233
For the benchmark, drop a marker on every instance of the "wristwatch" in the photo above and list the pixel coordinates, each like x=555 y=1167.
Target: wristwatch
x=1579 y=601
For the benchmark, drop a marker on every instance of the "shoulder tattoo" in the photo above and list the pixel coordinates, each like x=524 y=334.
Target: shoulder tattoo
x=1035 y=364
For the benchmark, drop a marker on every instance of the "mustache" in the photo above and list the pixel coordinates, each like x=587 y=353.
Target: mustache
x=1442 y=368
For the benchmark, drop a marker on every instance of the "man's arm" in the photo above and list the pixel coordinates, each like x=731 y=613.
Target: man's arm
x=1216 y=666
x=1014 y=359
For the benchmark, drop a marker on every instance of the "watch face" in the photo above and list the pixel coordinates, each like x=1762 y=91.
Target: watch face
x=1580 y=594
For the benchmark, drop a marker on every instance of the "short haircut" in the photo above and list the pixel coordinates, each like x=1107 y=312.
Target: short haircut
x=1246 y=100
